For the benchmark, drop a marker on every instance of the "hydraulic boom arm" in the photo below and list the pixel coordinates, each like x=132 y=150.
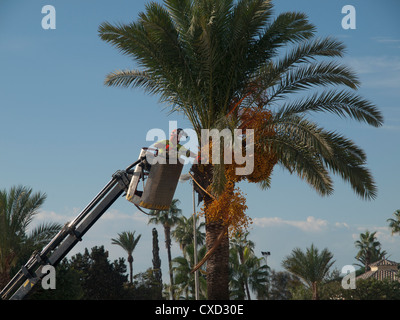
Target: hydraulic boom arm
x=31 y=273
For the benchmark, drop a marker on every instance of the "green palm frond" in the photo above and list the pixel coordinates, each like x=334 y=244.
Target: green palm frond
x=341 y=103
x=127 y=241
x=313 y=75
x=43 y=233
x=311 y=266
x=394 y=224
x=349 y=162
x=203 y=56
x=130 y=78
x=307 y=52
x=19 y=206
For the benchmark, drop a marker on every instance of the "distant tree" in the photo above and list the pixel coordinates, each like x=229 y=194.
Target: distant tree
x=168 y=219
x=127 y=241
x=369 y=249
x=281 y=285
x=394 y=224
x=18 y=207
x=373 y=289
x=157 y=274
x=246 y=270
x=247 y=276
x=145 y=287
x=100 y=279
x=311 y=266
x=184 y=279
x=68 y=285
x=183 y=232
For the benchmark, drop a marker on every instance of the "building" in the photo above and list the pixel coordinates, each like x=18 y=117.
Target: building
x=382 y=269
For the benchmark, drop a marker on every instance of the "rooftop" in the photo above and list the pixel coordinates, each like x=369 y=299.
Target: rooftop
x=382 y=269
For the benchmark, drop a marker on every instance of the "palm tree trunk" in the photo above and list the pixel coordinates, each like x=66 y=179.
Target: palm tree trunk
x=130 y=260
x=246 y=285
x=167 y=231
x=218 y=263
x=314 y=291
x=247 y=289
x=157 y=264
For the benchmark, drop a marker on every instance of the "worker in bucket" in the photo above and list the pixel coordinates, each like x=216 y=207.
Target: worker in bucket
x=171 y=148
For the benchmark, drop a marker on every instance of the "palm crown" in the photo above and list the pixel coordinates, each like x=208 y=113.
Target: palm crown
x=222 y=63
x=204 y=57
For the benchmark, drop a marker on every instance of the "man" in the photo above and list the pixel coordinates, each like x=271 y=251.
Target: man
x=171 y=147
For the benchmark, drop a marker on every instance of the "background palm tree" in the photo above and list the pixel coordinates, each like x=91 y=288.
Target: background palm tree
x=127 y=241
x=157 y=273
x=168 y=219
x=184 y=278
x=394 y=224
x=369 y=249
x=246 y=270
x=311 y=266
x=183 y=232
x=18 y=207
x=220 y=63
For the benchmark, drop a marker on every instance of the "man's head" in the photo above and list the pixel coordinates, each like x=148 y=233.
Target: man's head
x=176 y=135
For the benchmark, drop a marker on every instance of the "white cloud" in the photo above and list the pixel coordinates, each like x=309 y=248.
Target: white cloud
x=372 y=64
x=377 y=71
x=391 y=127
x=311 y=224
x=388 y=40
x=114 y=214
x=52 y=216
x=341 y=225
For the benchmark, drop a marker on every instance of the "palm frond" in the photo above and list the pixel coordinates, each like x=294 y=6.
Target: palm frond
x=127 y=241
x=131 y=78
x=313 y=75
x=298 y=158
x=307 y=52
x=349 y=162
x=208 y=58
x=288 y=27
x=43 y=233
x=341 y=103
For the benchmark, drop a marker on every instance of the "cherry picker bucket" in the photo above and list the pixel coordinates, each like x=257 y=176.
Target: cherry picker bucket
x=158 y=181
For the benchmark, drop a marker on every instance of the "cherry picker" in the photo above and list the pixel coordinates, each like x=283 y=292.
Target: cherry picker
x=159 y=181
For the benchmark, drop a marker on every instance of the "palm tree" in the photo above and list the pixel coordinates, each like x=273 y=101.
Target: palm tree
x=18 y=207
x=394 y=224
x=127 y=241
x=312 y=267
x=219 y=63
x=168 y=219
x=247 y=272
x=157 y=273
x=183 y=278
x=369 y=249
x=183 y=232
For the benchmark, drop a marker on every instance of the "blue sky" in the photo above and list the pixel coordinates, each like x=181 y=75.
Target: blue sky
x=64 y=133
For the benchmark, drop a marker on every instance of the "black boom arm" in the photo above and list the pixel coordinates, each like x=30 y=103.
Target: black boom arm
x=31 y=273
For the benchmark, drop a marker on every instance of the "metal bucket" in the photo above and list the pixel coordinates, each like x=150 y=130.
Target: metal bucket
x=159 y=187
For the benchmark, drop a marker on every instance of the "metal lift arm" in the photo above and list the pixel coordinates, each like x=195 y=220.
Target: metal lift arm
x=31 y=273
